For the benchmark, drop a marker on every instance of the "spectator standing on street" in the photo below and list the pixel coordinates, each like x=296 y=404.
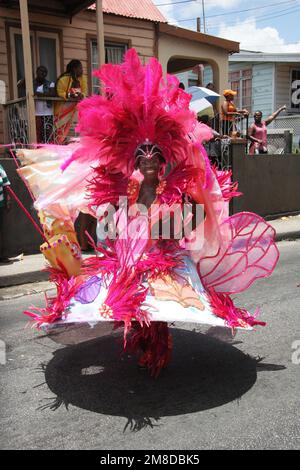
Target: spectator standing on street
x=4 y=205
x=258 y=132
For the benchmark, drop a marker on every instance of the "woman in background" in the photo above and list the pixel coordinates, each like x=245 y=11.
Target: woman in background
x=71 y=85
x=230 y=113
x=258 y=132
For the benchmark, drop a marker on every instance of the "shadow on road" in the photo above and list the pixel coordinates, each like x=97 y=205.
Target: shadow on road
x=204 y=373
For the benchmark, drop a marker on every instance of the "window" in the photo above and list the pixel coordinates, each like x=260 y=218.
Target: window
x=241 y=82
x=44 y=49
x=295 y=90
x=114 y=53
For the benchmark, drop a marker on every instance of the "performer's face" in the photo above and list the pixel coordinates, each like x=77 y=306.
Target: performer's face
x=149 y=167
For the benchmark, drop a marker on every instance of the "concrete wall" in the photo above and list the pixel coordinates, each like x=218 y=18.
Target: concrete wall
x=269 y=183
x=19 y=234
x=170 y=47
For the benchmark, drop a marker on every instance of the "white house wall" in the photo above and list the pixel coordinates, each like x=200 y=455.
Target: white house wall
x=262 y=88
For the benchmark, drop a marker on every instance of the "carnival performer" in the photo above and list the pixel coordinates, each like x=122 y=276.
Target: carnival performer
x=170 y=252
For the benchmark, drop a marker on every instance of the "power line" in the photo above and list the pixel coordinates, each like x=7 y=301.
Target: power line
x=241 y=11
x=174 y=3
x=285 y=12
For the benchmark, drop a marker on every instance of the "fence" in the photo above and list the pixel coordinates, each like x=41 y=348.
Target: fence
x=219 y=149
x=54 y=128
x=269 y=183
x=280 y=141
x=289 y=122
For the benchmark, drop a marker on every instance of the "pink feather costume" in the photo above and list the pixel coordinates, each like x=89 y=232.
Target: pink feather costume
x=134 y=280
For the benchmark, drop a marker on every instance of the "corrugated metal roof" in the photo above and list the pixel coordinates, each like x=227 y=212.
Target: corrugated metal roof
x=140 y=9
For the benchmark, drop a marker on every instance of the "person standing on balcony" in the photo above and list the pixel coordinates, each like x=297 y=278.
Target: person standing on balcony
x=71 y=85
x=230 y=113
x=43 y=108
x=4 y=206
x=258 y=132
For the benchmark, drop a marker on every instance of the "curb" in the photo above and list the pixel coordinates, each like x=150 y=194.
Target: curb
x=23 y=278
x=40 y=276
x=295 y=235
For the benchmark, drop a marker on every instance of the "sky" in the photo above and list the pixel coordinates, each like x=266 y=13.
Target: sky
x=267 y=26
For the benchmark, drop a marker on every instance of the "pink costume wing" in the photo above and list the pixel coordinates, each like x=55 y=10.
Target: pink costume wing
x=61 y=194
x=248 y=252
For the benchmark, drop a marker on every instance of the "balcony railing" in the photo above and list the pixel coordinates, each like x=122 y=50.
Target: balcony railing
x=219 y=148
x=55 y=128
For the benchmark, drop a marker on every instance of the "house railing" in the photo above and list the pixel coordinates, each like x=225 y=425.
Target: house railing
x=57 y=127
x=219 y=149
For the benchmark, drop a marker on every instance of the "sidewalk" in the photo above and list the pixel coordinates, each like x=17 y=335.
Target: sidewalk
x=287 y=228
x=29 y=269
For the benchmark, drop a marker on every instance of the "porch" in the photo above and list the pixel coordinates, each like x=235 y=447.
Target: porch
x=27 y=35
x=50 y=129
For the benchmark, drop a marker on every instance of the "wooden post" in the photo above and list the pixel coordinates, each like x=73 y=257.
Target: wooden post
x=100 y=33
x=28 y=71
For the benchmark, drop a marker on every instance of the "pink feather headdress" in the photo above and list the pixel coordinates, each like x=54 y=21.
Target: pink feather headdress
x=138 y=105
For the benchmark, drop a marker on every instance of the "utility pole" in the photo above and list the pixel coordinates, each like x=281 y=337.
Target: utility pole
x=204 y=20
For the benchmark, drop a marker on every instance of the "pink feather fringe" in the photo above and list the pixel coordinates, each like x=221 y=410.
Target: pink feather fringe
x=228 y=188
x=125 y=298
x=223 y=307
x=55 y=306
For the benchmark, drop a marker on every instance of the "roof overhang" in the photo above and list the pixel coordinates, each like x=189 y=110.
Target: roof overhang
x=67 y=8
x=265 y=57
x=229 y=46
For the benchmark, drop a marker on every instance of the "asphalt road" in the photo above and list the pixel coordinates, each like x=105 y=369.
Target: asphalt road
x=219 y=392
